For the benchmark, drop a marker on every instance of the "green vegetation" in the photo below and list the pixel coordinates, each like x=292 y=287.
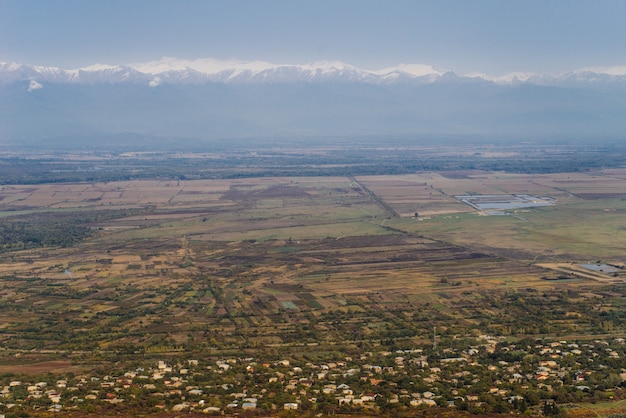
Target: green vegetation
x=551 y=233
x=472 y=314
x=52 y=229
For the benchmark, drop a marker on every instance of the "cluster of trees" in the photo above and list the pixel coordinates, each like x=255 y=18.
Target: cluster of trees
x=20 y=234
x=53 y=229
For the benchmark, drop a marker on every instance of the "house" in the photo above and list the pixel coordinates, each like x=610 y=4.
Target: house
x=548 y=363
x=181 y=406
x=212 y=410
x=368 y=397
x=516 y=377
x=425 y=402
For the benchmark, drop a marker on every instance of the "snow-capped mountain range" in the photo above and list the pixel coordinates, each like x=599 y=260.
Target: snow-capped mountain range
x=177 y=71
x=170 y=70
x=213 y=98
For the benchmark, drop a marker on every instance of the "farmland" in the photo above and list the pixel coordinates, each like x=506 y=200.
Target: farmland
x=202 y=268
x=251 y=258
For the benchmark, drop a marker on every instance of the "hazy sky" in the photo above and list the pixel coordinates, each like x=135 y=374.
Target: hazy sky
x=490 y=36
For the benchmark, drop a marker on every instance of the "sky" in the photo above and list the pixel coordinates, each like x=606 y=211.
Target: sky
x=467 y=36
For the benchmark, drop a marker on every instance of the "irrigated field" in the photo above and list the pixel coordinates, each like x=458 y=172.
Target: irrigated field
x=258 y=263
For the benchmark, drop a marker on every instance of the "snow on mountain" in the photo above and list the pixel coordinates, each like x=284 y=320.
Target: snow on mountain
x=34 y=85
x=208 y=69
x=202 y=65
x=584 y=76
x=404 y=71
x=100 y=73
x=618 y=70
x=216 y=98
x=12 y=72
x=170 y=70
x=513 y=78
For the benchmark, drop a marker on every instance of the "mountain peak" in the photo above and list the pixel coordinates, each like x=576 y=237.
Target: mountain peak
x=198 y=71
x=227 y=98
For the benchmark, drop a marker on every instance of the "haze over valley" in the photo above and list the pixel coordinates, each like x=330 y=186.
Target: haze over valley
x=331 y=208
x=213 y=99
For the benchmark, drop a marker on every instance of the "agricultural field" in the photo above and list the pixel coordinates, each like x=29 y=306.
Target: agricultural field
x=227 y=261
x=326 y=264
x=583 y=223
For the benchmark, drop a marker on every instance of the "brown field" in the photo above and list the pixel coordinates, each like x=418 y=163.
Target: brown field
x=433 y=193
x=227 y=261
x=40 y=368
x=413 y=193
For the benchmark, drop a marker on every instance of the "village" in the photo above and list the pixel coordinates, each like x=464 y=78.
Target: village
x=486 y=374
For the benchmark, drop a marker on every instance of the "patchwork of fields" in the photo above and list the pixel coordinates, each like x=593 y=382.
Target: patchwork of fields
x=270 y=262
